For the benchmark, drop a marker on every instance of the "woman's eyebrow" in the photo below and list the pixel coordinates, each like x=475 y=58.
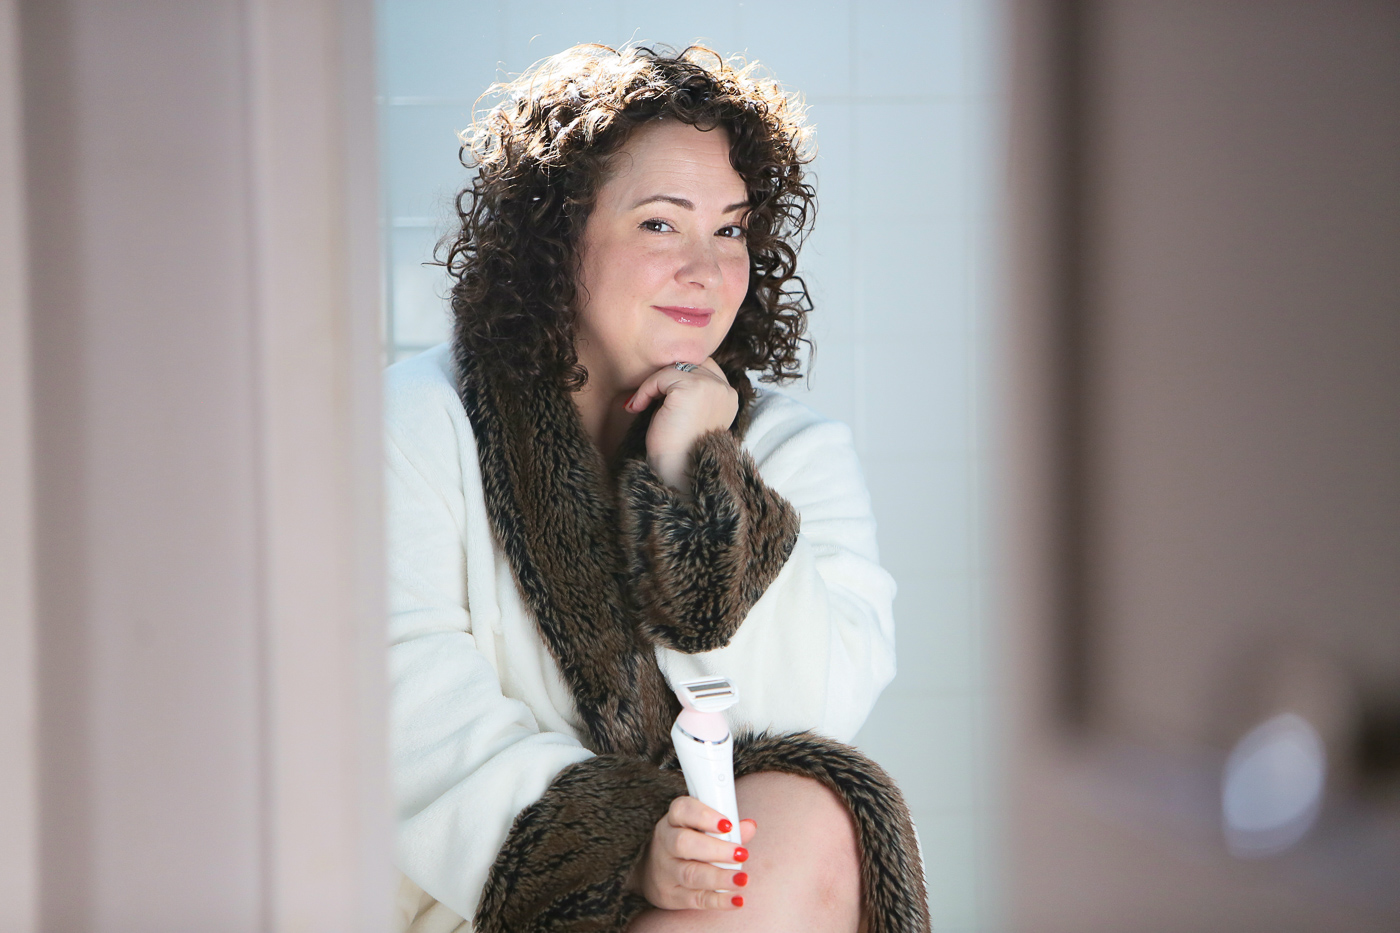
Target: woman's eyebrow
x=684 y=203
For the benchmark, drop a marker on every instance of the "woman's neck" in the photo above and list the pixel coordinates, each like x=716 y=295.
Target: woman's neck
x=601 y=411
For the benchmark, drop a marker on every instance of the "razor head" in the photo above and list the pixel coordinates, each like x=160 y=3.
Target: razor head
x=707 y=694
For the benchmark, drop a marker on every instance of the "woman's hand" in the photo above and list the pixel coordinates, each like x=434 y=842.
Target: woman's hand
x=676 y=874
x=696 y=402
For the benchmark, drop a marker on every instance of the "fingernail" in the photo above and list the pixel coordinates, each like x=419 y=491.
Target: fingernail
x=737 y=901
x=741 y=878
x=741 y=854
x=724 y=825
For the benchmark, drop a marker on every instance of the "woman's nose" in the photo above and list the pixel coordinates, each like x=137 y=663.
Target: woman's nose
x=701 y=266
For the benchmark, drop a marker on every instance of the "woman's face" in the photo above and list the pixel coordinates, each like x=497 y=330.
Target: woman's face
x=664 y=264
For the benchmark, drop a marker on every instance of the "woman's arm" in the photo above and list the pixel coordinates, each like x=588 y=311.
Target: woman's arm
x=465 y=758
x=817 y=647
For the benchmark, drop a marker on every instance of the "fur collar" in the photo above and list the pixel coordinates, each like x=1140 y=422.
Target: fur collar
x=612 y=564
x=554 y=506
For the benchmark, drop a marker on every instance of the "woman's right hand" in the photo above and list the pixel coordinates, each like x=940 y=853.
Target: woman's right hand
x=676 y=874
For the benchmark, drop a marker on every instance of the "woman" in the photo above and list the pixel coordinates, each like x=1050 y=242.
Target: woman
x=588 y=498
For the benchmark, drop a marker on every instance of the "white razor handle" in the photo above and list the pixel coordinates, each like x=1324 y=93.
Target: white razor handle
x=709 y=778
x=706 y=751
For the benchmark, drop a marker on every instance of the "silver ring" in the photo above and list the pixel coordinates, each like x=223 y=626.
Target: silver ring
x=686 y=367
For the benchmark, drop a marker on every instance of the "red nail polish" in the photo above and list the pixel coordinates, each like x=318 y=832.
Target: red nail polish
x=724 y=825
x=741 y=878
x=737 y=901
x=741 y=854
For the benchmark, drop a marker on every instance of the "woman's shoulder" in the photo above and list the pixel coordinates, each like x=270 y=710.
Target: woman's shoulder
x=421 y=405
x=428 y=373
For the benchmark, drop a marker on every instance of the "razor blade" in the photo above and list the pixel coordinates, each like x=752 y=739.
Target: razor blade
x=707 y=694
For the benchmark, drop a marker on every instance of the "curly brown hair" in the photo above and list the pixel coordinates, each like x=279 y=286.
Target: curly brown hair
x=540 y=157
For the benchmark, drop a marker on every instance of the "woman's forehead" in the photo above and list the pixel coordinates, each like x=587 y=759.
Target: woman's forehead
x=668 y=155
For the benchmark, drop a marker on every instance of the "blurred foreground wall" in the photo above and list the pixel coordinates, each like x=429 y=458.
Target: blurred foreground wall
x=191 y=662
x=1203 y=517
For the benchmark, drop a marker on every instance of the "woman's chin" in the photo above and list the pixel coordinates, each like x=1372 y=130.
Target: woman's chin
x=644 y=362
x=680 y=351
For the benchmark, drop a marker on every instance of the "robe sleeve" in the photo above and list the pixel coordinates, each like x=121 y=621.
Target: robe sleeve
x=699 y=563
x=796 y=612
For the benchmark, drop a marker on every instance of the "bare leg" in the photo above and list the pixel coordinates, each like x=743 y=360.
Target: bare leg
x=803 y=868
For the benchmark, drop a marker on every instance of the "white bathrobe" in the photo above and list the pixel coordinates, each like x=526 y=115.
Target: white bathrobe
x=481 y=720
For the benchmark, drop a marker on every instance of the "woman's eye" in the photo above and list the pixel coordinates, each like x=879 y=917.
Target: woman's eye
x=656 y=226
x=733 y=232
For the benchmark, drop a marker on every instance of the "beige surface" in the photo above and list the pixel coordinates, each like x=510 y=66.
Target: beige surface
x=416 y=911
x=1244 y=261
x=1231 y=250
x=18 y=756
x=204 y=381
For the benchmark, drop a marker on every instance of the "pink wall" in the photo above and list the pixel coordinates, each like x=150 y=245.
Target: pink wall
x=203 y=321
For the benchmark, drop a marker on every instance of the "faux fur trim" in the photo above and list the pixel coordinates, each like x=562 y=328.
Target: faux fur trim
x=554 y=509
x=551 y=509
x=568 y=854
x=607 y=575
x=698 y=565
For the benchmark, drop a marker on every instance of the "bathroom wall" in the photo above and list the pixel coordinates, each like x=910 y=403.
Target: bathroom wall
x=905 y=107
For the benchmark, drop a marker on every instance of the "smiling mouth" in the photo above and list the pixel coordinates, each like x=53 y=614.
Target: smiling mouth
x=691 y=317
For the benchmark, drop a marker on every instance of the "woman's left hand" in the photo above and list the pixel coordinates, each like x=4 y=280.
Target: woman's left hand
x=696 y=402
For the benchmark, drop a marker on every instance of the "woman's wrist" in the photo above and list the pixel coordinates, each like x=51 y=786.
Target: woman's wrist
x=672 y=469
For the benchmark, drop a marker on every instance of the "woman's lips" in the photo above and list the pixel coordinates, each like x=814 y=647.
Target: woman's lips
x=691 y=317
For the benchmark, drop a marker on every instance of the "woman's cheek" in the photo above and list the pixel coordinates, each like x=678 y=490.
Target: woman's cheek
x=736 y=280
x=653 y=271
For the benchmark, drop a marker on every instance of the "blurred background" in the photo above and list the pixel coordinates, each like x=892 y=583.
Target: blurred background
x=1108 y=291
x=905 y=107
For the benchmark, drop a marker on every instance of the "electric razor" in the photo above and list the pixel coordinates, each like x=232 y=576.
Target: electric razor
x=706 y=749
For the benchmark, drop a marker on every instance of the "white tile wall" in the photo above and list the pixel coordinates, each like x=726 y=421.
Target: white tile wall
x=902 y=99
x=420 y=150
x=421 y=314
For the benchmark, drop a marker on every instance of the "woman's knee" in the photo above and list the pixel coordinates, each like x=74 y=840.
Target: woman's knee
x=803 y=867
x=806 y=844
